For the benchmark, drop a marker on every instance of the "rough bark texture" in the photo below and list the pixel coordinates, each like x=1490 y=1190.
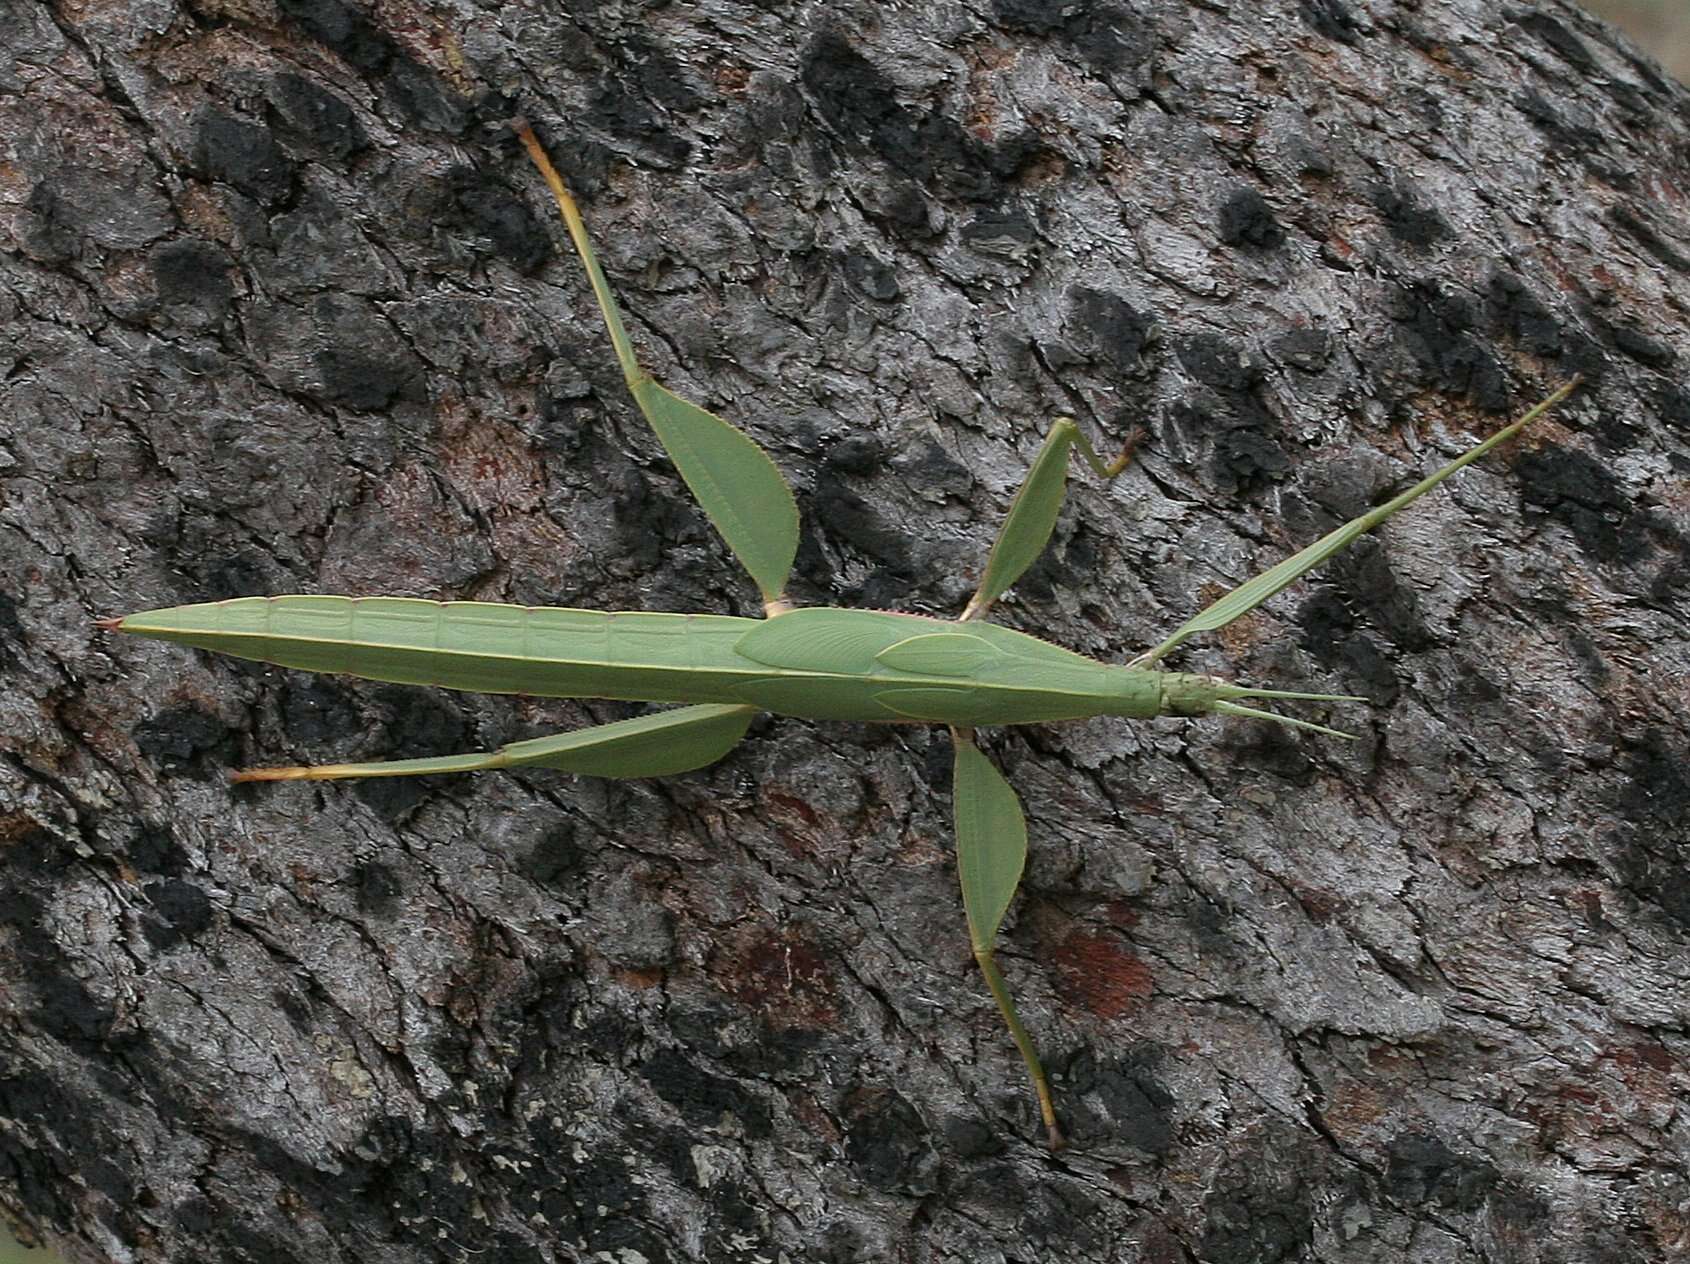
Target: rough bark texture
x=286 y=310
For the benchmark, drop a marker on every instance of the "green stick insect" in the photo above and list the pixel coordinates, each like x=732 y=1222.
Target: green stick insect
x=816 y=663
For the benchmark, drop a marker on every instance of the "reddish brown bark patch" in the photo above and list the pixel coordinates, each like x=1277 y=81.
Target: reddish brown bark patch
x=1098 y=973
x=782 y=975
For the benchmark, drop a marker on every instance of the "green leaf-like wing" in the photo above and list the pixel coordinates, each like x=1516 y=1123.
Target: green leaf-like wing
x=940 y=654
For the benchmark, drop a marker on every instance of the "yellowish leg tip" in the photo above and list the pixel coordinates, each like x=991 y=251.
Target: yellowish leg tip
x=278 y=774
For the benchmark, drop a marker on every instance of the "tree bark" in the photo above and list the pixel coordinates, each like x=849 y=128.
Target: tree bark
x=287 y=311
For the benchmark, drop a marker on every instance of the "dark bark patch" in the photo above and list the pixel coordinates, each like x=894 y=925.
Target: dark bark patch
x=1672 y=581
x=858 y=522
x=1331 y=19
x=179 y=736
x=194 y=274
x=1208 y=921
x=568 y=415
x=180 y=910
x=1247 y=453
x=483 y=208
x=1217 y=363
x=317 y=712
x=50 y=229
x=649 y=522
x=1437 y=329
x=1111 y=330
x=1247 y=219
x=345 y=31
x=614 y=109
x=11 y=633
x=1140 y=1109
x=64 y=1009
x=229 y=575
x=539 y=1019
x=244 y=154
x=40 y=1172
x=407 y=1178
x=1277 y=751
x=776 y=1051
x=971 y=1139
x=1578 y=139
x=67 y=1011
x=1408 y=219
x=296 y=1009
x=1106 y=38
x=353 y=378
x=858 y=455
x=811 y=567
x=1672 y=401
x=1363 y=572
x=1330 y=633
x=1583 y=495
x=196 y=1216
x=870 y=277
x=34 y=852
x=379 y=889
x=886 y=1143
x=538 y=1181
x=1629 y=222
x=703 y=1099
x=1258 y=1210
x=903 y=213
x=420 y=723
x=737 y=1226
x=608 y=1201
x=927 y=147
x=155 y=850
x=508 y=1247
x=556 y=860
x=1652 y=806
x=318 y=117
x=1005 y=233
x=657 y=75
x=1565 y=44
x=412 y=88
x=1424 y=1170
x=1515 y=311
x=1064 y=1222
x=1633 y=342
x=1245 y=459
x=1304 y=348
x=927 y=466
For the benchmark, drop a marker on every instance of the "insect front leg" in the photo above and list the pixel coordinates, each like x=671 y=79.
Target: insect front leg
x=1032 y=514
x=1251 y=593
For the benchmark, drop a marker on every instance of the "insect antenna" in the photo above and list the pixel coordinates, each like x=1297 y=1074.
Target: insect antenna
x=1255 y=713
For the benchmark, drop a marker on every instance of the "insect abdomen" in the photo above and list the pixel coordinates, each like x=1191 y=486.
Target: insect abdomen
x=544 y=651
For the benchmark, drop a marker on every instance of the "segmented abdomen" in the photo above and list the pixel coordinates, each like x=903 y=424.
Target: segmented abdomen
x=542 y=650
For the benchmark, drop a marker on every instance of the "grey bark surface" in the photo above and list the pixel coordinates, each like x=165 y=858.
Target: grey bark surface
x=286 y=310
